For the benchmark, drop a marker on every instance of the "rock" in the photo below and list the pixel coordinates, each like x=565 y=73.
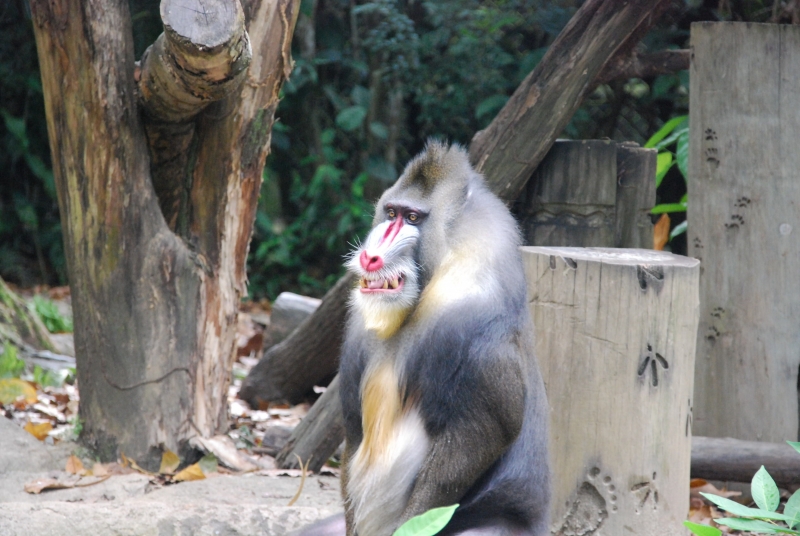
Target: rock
x=229 y=505
x=288 y=311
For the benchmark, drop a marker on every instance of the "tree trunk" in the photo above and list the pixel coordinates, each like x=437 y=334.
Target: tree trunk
x=527 y=125
x=155 y=304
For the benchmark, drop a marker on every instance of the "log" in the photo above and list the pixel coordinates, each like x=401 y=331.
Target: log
x=745 y=227
x=318 y=435
x=289 y=370
x=511 y=147
x=155 y=311
x=527 y=125
x=560 y=207
x=735 y=460
x=615 y=340
x=289 y=310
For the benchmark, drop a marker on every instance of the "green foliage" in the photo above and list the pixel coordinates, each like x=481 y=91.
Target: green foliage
x=765 y=519
x=427 y=524
x=674 y=133
x=52 y=318
x=10 y=365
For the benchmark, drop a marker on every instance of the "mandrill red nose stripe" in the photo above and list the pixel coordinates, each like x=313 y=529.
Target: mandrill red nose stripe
x=370 y=263
x=392 y=231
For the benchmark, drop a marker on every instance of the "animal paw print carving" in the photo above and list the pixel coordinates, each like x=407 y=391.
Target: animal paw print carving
x=711 y=134
x=712 y=334
x=717 y=312
x=654 y=359
x=742 y=202
x=697 y=242
x=645 y=492
x=689 y=417
x=605 y=487
x=736 y=222
x=712 y=156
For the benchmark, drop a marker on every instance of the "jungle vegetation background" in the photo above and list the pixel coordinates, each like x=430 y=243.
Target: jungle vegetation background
x=372 y=81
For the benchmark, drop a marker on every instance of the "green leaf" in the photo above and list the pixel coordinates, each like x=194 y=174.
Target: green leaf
x=765 y=491
x=379 y=130
x=792 y=509
x=679 y=229
x=682 y=154
x=702 y=530
x=664 y=131
x=427 y=524
x=351 y=118
x=742 y=510
x=664 y=163
x=668 y=208
x=795 y=445
x=754 y=525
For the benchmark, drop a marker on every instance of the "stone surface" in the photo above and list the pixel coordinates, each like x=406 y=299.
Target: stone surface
x=225 y=505
x=288 y=312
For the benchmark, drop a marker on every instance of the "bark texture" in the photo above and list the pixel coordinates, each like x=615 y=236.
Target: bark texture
x=154 y=311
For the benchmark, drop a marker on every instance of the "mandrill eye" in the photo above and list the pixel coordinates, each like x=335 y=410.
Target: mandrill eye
x=391 y=213
x=412 y=218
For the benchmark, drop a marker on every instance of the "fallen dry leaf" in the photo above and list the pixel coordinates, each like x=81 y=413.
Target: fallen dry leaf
x=75 y=466
x=169 y=463
x=69 y=481
x=13 y=388
x=39 y=430
x=193 y=472
x=98 y=469
x=661 y=232
x=698 y=485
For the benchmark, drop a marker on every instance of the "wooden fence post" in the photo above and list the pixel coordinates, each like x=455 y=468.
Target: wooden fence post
x=744 y=225
x=615 y=339
x=591 y=193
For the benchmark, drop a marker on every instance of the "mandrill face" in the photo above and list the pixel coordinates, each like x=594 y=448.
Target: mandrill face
x=385 y=263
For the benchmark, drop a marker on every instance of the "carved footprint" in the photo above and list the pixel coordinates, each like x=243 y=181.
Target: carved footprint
x=590 y=506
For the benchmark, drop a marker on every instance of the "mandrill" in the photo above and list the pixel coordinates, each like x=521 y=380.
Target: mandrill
x=442 y=399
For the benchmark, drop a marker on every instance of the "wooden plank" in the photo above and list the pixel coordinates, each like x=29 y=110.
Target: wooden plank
x=615 y=339
x=590 y=193
x=744 y=225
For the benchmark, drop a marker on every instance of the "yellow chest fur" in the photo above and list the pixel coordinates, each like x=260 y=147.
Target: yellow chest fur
x=381 y=408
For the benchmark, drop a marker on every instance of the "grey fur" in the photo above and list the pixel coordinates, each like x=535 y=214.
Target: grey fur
x=463 y=355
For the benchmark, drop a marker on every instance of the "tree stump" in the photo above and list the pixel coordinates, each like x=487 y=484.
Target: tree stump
x=744 y=225
x=615 y=340
x=591 y=193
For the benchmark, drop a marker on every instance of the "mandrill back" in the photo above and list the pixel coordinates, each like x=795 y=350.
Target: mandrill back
x=442 y=397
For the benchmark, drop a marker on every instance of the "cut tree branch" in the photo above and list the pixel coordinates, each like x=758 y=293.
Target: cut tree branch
x=509 y=149
x=201 y=57
x=643 y=65
x=728 y=459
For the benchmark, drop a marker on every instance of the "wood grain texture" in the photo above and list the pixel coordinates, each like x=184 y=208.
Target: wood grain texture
x=590 y=193
x=744 y=225
x=615 y=340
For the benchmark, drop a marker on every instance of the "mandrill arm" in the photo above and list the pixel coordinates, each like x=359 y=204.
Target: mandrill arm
x=481 y=412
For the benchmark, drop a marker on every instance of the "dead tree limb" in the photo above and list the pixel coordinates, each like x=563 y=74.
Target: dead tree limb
x=511 y=147
x=736 y=460
x=644 y=65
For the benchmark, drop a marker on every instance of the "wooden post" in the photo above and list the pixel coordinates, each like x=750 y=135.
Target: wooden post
x=744 y=225
x=591 y=193
x=615 y=332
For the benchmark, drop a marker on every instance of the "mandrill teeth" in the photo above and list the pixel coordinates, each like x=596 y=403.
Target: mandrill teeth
x=385 y=284
x=394 y=283
x=363 y=283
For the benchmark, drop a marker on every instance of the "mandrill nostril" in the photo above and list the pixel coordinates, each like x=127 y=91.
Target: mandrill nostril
x=370 y=263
